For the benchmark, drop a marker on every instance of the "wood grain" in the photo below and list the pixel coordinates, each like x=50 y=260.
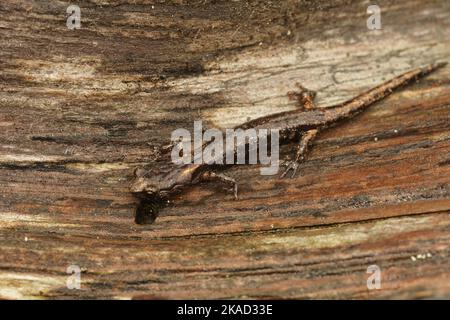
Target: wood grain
x=79 y=109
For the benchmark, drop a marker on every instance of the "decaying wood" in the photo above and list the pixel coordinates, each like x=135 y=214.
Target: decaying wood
x=79 y=109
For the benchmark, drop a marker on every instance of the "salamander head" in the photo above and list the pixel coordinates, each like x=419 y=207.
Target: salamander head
x=154 y=189
x=143 y=184
x=147 y=184
x=161 y=184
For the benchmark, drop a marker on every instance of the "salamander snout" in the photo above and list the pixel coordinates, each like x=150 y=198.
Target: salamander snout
x=142 y=184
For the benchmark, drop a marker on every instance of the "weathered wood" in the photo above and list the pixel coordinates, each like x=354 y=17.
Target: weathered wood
x=80 y=109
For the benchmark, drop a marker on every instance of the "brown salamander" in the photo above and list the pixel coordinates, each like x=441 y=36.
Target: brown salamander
x=154 y=188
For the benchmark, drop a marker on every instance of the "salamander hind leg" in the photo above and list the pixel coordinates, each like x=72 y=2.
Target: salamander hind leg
x=300 y=155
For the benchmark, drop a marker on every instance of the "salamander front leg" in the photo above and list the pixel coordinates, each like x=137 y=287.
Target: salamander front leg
x=300 y=155
x=304 y=97
x=213 y=176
